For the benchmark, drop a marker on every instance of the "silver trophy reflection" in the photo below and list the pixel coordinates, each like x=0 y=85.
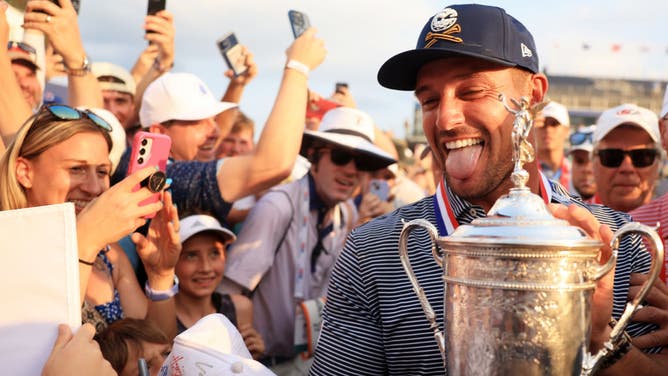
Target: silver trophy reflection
x=518 y=283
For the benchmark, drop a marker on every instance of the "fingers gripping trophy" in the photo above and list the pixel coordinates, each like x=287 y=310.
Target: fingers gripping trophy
x=518 y=283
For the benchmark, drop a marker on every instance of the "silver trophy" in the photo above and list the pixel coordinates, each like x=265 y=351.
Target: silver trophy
x=518 y=283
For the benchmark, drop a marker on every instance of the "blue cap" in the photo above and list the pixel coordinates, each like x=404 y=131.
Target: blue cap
x=480 y=31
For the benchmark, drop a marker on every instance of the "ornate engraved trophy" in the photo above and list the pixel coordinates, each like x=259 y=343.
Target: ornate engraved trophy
x=518 y=284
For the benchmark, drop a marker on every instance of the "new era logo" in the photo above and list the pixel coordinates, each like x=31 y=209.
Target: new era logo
x=526 y=52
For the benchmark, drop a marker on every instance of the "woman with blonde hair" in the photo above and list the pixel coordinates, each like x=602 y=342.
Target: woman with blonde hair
x=61 y=154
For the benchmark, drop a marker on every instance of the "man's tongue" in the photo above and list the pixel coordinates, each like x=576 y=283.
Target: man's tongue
x=461 y=162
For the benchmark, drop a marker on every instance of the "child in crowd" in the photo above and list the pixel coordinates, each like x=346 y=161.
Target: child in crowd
x=200 y=269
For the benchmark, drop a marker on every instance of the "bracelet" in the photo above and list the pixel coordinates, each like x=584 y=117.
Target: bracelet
x=79 y=72
x=87 y=262
x=157 y=65
x=614 y=350
x=298 y=66
x=157 y=296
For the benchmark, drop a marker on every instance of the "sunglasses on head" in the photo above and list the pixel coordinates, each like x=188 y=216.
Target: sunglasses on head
x=615 y=157
x=22 y=46
x=341 y=157
x=579 y=138
x=63 y=112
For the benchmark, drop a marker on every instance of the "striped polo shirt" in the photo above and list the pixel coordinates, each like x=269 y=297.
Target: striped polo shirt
x=374 y=323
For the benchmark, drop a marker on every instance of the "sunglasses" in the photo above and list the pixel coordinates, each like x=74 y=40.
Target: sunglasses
x=341 y=157
x=63 y=112
x=22 y=46
x=615 y=157
x=579 y=138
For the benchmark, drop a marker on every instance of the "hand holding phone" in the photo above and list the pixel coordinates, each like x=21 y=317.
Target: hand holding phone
x=149 y=149
x=155 y=6
x=317 y=109
x=233 y=53
x=299 y=22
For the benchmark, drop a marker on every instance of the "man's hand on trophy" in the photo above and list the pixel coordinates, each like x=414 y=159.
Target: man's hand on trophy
x=601 y=310
x=655 y=311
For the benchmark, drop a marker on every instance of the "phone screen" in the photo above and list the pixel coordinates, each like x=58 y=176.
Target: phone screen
x=233 y=53
x=155 y=6
x=299 y=22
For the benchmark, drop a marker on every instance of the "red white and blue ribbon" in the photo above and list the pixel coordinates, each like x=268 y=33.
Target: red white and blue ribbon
x=446 y=221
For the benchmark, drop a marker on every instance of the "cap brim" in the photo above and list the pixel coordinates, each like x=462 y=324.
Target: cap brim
x=377 y=158
x=400 y=71
x=205 y=111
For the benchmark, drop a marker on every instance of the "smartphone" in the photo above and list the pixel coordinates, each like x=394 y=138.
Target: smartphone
x=339 y=86
x=380 y=188
x=299 y=22
x=155 y=6
x=149 y=149
x=75 y=3
x=317 y=109
x=233 y=53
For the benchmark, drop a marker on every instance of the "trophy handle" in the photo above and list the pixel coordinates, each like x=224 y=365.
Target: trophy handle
x=657 y=251
x=405 y=261
x=657 y=262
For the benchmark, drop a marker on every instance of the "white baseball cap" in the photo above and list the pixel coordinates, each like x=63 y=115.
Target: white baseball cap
x=627 y=113
x=558 y=112
x=582 y=139
x=194 y=224
x=118 y=144
x=213 y=344
x=122 y=79
x=352 y=129
x=179 y=96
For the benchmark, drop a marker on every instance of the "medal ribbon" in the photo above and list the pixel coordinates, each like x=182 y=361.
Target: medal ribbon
x=446 y=221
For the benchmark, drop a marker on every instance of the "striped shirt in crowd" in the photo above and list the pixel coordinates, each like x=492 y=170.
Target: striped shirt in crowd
x=373 y=322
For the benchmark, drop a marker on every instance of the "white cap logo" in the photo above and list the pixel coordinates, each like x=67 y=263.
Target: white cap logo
x=526 y=51
x=443 y=20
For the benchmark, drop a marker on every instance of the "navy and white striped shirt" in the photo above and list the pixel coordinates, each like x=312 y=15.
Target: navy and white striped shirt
x=374 y=323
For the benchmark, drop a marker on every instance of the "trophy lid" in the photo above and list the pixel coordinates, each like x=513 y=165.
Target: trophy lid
x=521 y=218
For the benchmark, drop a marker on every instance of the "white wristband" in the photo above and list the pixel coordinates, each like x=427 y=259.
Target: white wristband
x=298 y=66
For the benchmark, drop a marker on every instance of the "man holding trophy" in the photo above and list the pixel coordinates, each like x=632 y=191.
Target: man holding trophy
x=467 y=58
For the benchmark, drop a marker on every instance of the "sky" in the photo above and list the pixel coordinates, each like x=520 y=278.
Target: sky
x=361 y=34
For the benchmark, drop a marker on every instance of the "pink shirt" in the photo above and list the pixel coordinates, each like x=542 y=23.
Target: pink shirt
x=651 y=214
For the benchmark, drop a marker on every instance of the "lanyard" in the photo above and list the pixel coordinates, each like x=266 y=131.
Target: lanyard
x=446 y=221
x=303 y=260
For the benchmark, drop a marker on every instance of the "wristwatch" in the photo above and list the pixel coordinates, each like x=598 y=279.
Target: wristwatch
x=79 y=72
x=157 y=296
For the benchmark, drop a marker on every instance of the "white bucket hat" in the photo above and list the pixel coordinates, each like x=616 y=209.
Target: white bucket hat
x=179 y=96
x=351 y=129
x=194 y=224
x=212 y=345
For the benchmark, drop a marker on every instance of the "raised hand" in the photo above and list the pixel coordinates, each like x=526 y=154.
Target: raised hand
x=160 y=248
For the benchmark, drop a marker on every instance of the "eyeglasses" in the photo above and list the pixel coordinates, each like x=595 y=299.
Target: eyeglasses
x=63 y=112
x=579 y=138
x=22 y=46
x=615 y=157
x=341 y=157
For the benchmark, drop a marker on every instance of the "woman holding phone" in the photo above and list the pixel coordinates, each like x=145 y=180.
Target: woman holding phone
x=61 y=154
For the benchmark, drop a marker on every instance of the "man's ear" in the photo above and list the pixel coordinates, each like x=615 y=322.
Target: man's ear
x=24 y=172
x=539 y=87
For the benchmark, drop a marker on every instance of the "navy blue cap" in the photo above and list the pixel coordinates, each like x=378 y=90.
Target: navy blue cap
x=480 y=31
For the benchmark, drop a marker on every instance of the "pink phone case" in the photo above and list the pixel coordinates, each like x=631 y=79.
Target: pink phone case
x=149 y=149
